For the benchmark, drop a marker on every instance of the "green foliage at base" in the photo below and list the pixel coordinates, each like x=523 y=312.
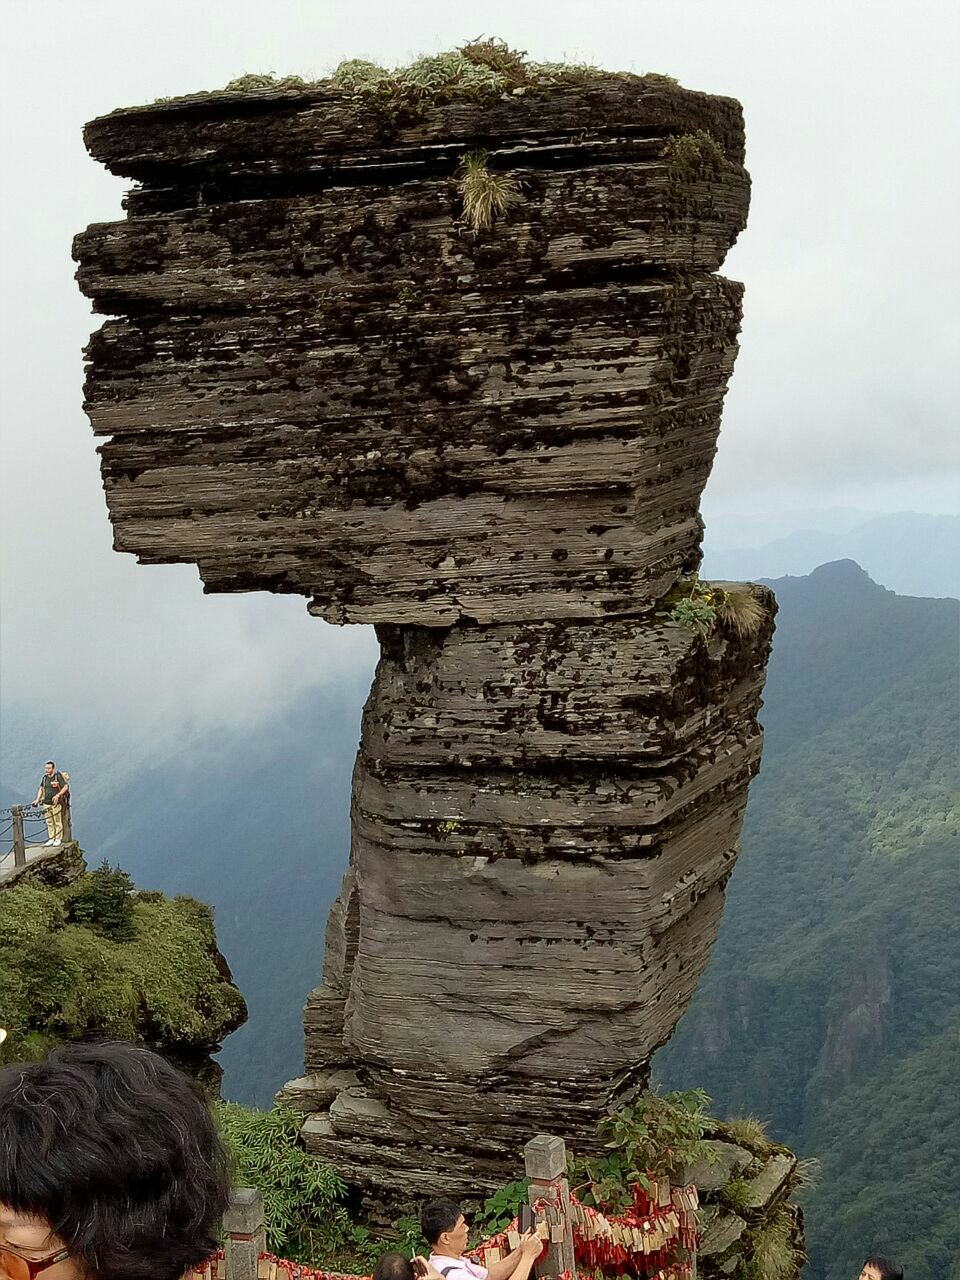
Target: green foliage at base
x=658 y=1133
x=302 y=1197
x=94 y=960
x=499 y=1210
x=768 y=1252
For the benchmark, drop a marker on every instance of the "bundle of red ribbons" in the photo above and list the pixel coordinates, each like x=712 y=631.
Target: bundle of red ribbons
x=653 y=1239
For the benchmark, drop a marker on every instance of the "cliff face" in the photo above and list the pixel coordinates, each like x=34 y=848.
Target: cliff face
x=492 y=443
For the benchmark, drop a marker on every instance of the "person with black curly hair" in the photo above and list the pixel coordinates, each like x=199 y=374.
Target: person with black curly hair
x=876 y=1268
x=111 y=1168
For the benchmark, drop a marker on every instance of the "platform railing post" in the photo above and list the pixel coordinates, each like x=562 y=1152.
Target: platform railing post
x=243 y=1225
x=19 y=846
x=545 y=1162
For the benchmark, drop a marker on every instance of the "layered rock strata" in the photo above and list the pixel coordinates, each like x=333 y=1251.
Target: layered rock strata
x=491 y=443
x=324 y=382
x=544 y=820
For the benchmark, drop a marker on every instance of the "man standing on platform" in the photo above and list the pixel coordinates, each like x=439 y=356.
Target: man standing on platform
x=54 y=793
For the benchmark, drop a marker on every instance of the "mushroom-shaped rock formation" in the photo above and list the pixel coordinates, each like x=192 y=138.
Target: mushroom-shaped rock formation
x=453 y=363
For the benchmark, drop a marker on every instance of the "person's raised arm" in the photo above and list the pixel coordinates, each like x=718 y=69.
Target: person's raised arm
x=531 y=1246
x=505 y=1268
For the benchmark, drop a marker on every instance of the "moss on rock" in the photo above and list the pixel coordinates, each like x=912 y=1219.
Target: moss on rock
x=65 y=974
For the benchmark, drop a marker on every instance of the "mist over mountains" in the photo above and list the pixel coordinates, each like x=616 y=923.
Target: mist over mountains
x=251 y=814
x=253 y=820
x=911 y=553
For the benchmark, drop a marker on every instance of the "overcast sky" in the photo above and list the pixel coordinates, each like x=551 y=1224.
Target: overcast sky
x=846 y=383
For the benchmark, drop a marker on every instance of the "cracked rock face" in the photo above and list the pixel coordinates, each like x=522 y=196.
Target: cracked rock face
x=492 y=444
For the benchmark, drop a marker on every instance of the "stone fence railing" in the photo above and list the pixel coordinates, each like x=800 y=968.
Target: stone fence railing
x=567 y=1228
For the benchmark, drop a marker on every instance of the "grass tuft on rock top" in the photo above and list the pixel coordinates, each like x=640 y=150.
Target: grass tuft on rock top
x=749 y=1130
x=484 y=69
x=305 y=1218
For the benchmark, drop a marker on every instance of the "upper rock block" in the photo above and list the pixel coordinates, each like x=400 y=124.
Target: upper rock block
x=326 y=382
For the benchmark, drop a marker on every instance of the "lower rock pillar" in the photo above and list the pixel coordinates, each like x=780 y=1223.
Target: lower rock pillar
x=545 y=817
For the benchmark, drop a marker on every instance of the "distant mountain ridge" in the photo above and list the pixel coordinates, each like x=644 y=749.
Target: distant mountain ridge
x=907 y=552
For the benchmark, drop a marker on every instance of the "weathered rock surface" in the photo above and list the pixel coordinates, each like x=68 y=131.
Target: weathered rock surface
x=51 y=867
x=747 y=1213
x=492 y=443
x=520 y=929
x=711 y=1173
x=325 y=383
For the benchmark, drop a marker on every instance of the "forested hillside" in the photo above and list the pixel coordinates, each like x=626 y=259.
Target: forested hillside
x=832 y=1002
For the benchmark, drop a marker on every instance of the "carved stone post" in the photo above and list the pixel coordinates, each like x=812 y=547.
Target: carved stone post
x=67 y=824
x=19 y=847
x=245 y=1236
x=545 y=1161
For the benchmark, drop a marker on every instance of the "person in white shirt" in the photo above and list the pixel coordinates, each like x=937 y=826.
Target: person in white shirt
x=446 y=1231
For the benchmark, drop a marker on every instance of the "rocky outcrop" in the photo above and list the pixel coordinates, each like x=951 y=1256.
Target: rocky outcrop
x=52 y=868
x=492 y=443
x=84 y=955
x=749 y=1219
x=324 y=382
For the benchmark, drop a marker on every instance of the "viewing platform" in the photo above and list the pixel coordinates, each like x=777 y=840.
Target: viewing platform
x=24 y=838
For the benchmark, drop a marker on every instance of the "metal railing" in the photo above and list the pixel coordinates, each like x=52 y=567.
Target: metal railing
x=23 y=833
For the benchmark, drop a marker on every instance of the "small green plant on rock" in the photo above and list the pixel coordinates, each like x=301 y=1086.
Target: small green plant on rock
x=771 y=1253
x=702 y=606
x=696 y=612
x=496 y=54
x=659 y=1133
x=436 y=76
x=486 y=194
x=692 y=154
x=264 y=80
x=735 y=1196
x=357 y=75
